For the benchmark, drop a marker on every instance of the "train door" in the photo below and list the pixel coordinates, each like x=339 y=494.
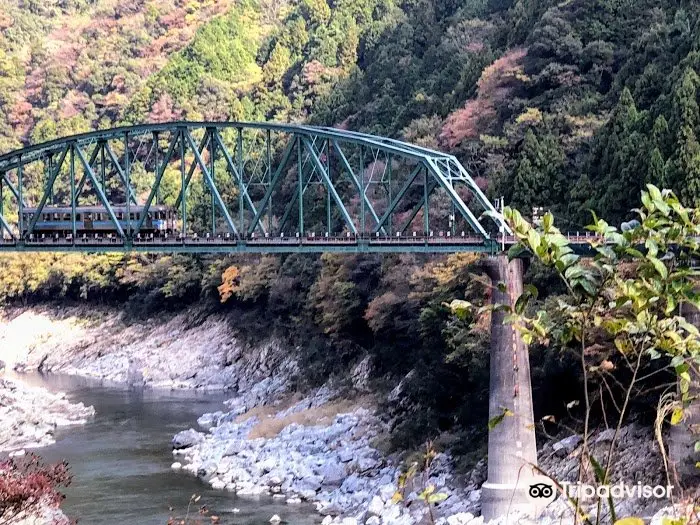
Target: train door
x=88 y=223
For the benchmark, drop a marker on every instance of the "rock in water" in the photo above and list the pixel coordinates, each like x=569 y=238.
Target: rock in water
x=275 y=519
x=186 y=439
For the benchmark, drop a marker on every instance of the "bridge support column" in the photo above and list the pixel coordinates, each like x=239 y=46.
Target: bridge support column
x=511 y=447
x=683 y=436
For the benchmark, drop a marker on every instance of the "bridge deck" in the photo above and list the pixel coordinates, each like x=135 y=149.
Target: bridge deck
x=443 y=243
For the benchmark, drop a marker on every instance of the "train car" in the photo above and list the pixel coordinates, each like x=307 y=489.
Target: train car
x=160 y=220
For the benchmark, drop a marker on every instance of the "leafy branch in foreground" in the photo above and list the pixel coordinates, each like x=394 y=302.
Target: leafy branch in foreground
x=28 y=487
x=622 y=309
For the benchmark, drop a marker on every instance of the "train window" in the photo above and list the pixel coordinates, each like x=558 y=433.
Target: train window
x=120 y=216
x=131 y=216
x=47 y=216
x=66 y=217
x=77 y=217
x=55 y=216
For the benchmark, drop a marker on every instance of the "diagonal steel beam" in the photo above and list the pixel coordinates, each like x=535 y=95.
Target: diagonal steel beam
x=193 y=167
x=356 y=182
x=480 y=197
x=273 y=183
x=419 y=205
x=93 y=179
x=400 y=195
x=13 y=189
x=238 y=176
x=120 y=171
x=461 y=206
x=156 y=184
x=210 y=182
x=45 y=196
x=4 y=225
x=329 y=185
x=83 y=180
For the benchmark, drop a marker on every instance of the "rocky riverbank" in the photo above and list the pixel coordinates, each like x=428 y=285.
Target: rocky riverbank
x=30 y=415
x=321 y=448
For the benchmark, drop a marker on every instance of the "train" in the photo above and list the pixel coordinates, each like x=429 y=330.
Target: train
x=160 y=220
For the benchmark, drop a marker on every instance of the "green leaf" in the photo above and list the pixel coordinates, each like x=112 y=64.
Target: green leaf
x=534 y=239
x=437 y=498
x=676 y=416
x=547 y=221
x=497 y=420
x=659 y=266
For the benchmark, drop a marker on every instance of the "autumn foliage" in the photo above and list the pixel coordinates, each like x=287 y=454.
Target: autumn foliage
x=28 y=487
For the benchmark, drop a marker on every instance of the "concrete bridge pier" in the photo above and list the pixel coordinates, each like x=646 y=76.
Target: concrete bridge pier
x=511 y=448
x=682 y=437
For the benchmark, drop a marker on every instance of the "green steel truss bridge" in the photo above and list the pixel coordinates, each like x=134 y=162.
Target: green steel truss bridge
x=208 y=187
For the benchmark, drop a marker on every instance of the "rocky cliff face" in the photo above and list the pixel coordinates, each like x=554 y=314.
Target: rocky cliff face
x=188 y=350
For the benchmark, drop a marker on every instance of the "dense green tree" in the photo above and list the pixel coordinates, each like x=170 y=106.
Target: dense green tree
x=538 y=172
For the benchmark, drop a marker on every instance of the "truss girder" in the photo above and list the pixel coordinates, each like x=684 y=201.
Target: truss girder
x=366 y=184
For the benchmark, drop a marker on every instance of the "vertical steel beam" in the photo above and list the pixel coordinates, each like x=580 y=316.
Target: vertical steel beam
x=127 y=182
x=426 y=203
x=328 y=190
x=363 y=193
x=3 y=223
x=212 y=173
x=389 y=191
x=48 y=177
x=183 y=192
x=45 y=196
x=241 y=178
x=269 y=178
x=103 y=168
x=2 y=211
x=300 y=175
x=20 y=199
x=156 y=146
x=71 y=169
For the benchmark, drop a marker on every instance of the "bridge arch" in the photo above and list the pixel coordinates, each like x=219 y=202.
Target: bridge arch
x=235 y=186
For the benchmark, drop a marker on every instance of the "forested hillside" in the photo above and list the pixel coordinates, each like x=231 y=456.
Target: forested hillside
x=569 y=105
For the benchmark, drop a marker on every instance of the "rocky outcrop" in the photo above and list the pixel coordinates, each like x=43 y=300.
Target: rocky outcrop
x=190 y=350
x=29 y=415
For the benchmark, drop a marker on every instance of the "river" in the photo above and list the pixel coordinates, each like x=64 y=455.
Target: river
x=121 y=460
